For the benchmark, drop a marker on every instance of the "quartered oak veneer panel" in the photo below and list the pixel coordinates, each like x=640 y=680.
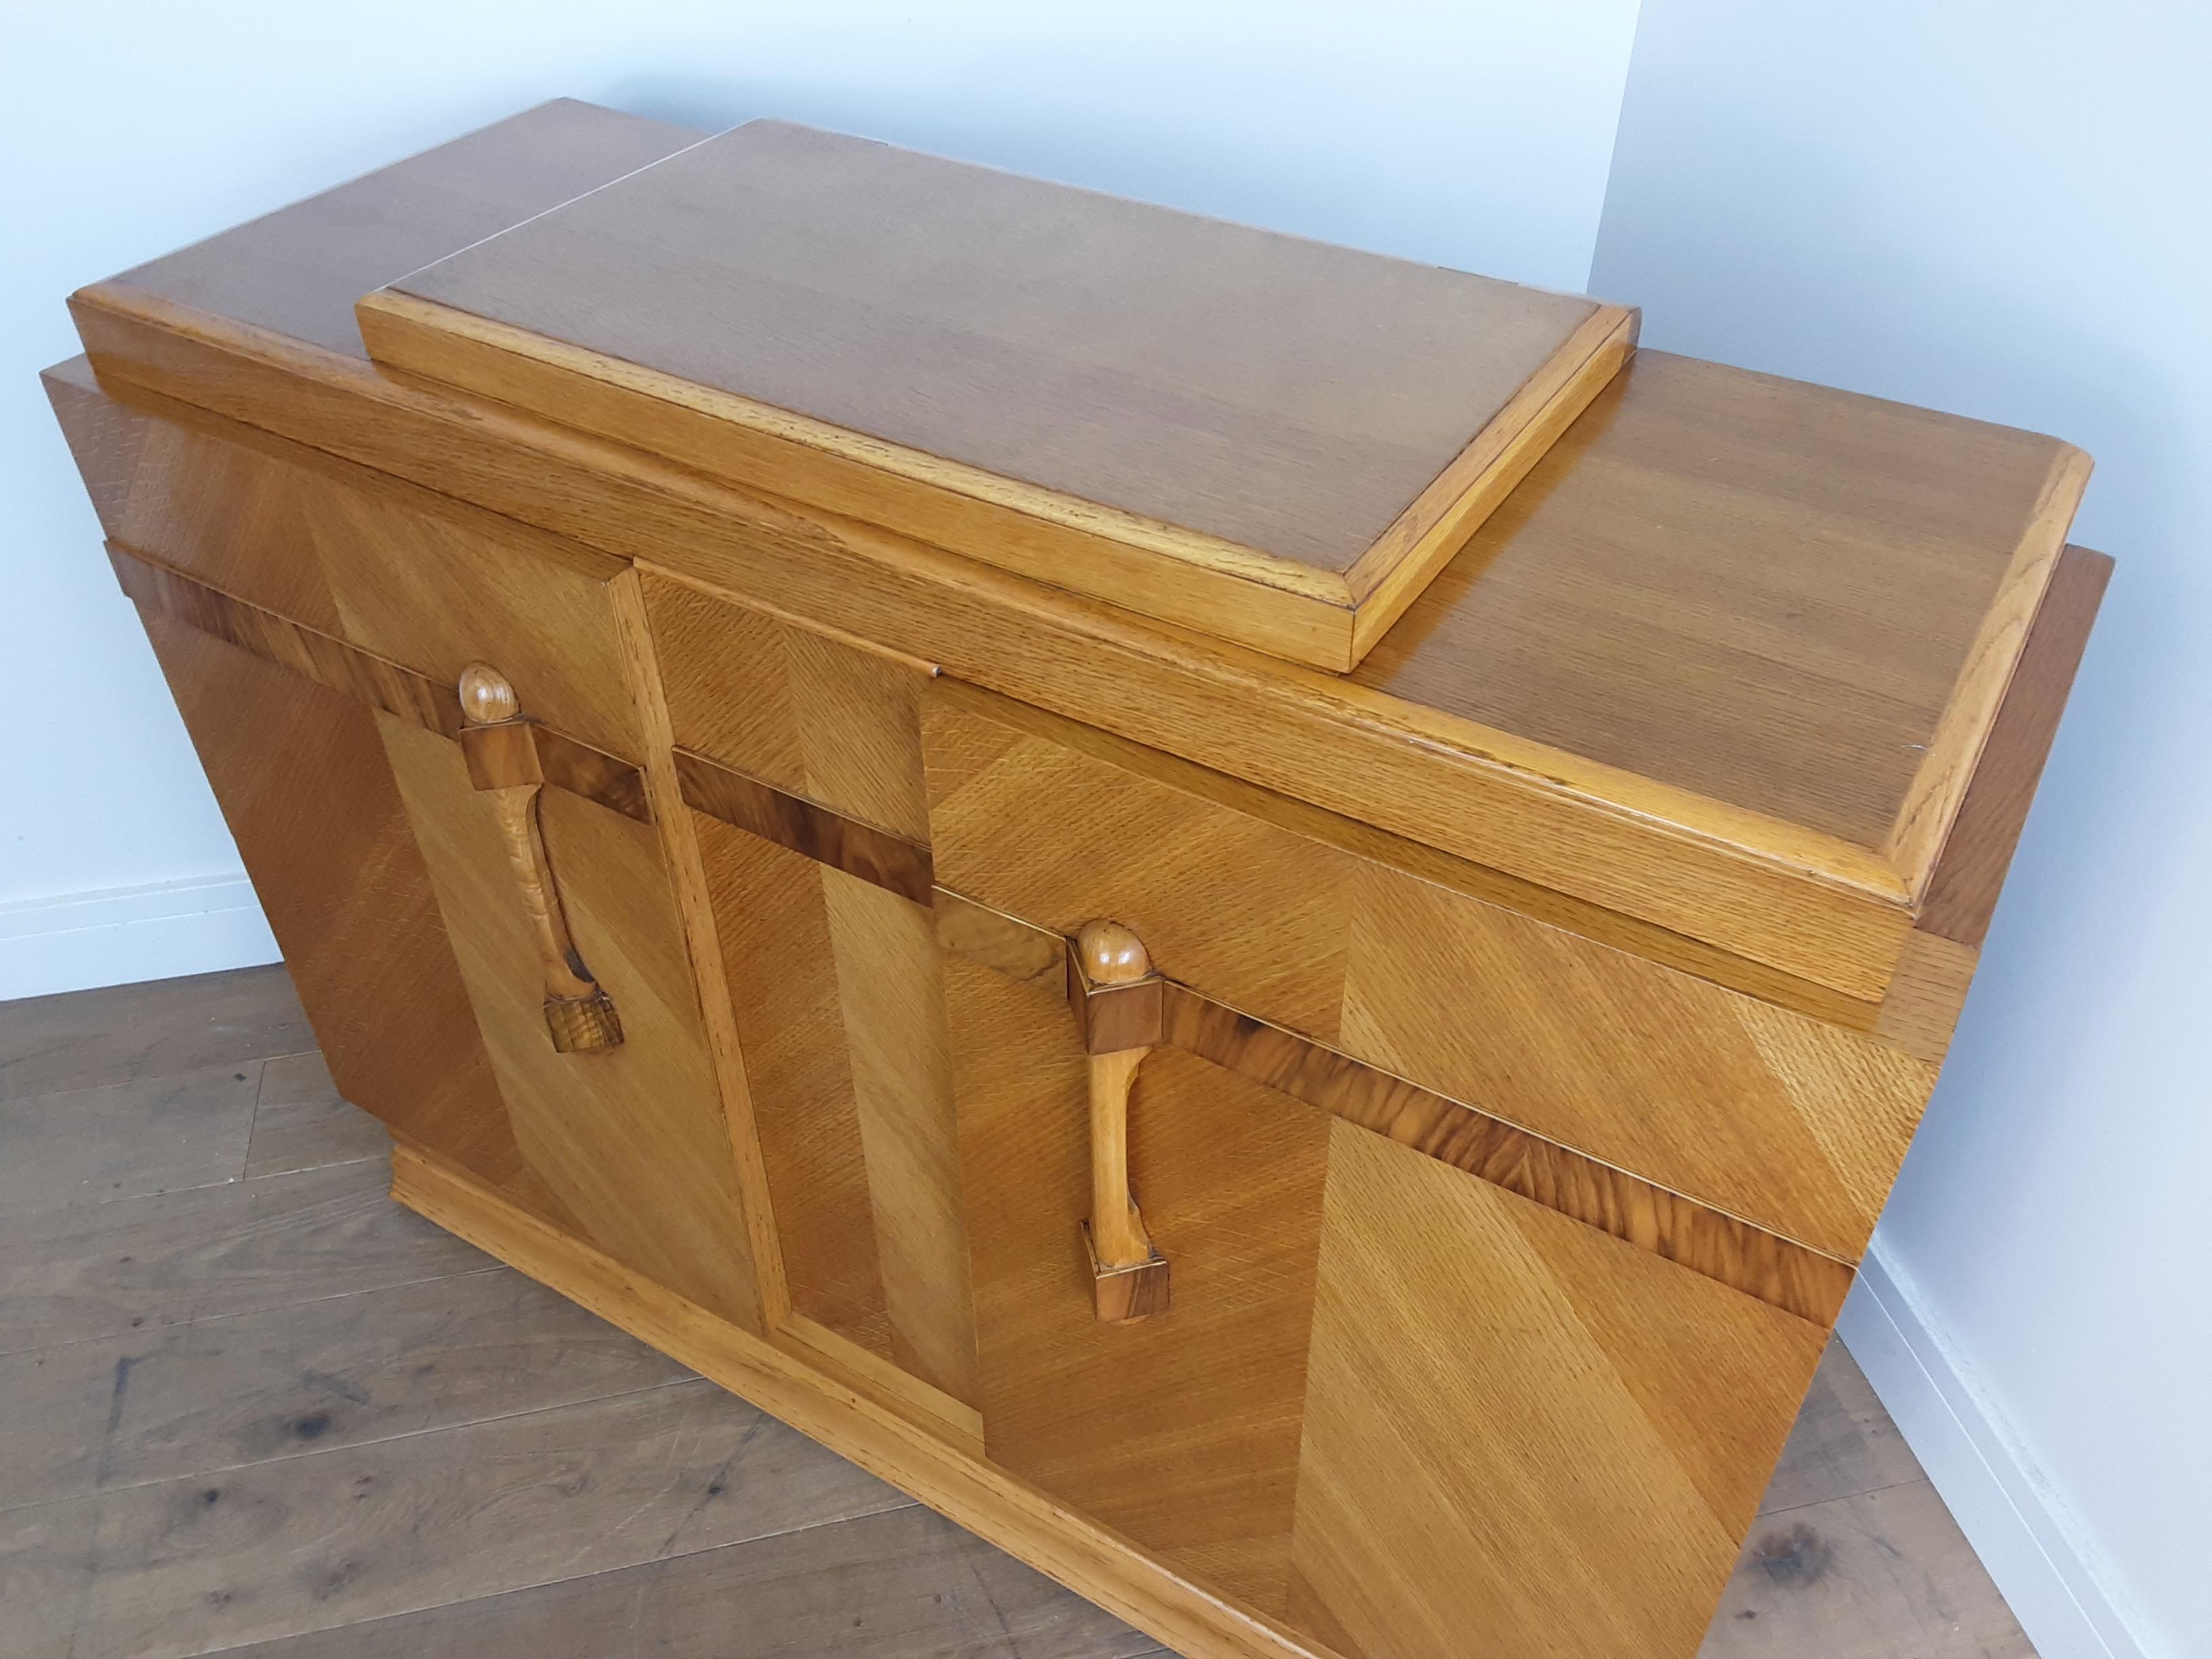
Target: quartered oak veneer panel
x=746 y=721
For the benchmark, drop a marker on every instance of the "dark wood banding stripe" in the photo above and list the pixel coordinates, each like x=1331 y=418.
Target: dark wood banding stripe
x=159 y=591
x=1722 y=1246
x=594 y=774
x=1779 y=1271
x=814 y=831
x=998 y=941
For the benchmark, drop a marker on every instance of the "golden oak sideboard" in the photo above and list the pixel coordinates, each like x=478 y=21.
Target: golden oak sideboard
x=1268 y=921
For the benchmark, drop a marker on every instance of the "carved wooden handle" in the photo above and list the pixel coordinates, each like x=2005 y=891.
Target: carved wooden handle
x=1118 y=1003
x=501 y=750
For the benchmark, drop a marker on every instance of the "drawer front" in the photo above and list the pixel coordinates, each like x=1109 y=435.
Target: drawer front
x=827 y=720
x=404 y=574
x=800 y=761
x=1389 y=1405
x=1264 y=906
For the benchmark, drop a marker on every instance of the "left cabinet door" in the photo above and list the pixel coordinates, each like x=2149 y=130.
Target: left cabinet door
x=312 y=620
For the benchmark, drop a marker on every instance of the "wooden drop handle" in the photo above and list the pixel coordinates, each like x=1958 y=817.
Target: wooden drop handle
x=503 y=756
x=1117 y=999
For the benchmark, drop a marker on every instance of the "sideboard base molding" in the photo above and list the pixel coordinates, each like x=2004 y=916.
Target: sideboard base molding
x=1020 y=1519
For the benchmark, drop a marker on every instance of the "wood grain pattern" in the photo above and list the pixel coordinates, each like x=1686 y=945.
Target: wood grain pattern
x=1971 y=871
x=1754 y=1110
x=803 y=708
x=631 y=1139
x=1616 y=1415
x=1786 y=597
x=1101 y=1564
x=560 y=760
x=834 y=984
x=297 y=271
x=1782 y=897
x=412 y=1518
x=347 y=894
x=1181 y=1431
x=227 y=511
x=780 y=976
x=1112 y=407
x=1709 y=1241
x=890 y=862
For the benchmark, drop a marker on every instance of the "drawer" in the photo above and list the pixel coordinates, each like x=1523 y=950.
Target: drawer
x=828 y=721
x=407 y=575
x=1287 y=913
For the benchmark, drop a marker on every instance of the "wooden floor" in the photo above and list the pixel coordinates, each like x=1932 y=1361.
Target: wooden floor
x=249 y=1405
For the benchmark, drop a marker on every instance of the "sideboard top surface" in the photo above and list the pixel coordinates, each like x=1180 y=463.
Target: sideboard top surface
x=1724 y=610
x=297 y=271
x=1272 y=439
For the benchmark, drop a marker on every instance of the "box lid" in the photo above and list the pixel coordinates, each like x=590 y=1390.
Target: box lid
x=1271 y=440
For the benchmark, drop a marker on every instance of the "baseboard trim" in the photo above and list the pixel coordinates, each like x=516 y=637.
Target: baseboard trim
x=122 y=935
x=1981 y=1471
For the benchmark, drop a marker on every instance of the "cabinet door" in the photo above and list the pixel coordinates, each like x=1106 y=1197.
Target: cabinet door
x=334 y=739
x=1424 y=1383
x=800 y=762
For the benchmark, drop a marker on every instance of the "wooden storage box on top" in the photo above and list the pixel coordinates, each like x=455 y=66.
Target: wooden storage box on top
x=1268 y=921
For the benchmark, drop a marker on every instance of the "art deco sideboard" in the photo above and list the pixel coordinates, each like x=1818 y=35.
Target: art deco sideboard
x=1268 y=921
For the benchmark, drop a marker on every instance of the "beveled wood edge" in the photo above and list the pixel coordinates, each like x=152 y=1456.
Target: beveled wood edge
x=159 y=590
x=1936 y=968
x=1946 y=772
x=1390 y=575
x=899 y=1390
x=1969 y=873
x=695 y=911
x=1213 y=585
x=1065 y=1546
x=807 y=828
x=1601 y=925
x=1794 y=900
x=1775 y=1269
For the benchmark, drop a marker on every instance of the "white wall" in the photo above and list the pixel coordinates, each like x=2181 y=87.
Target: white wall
x=1473 y=135
x=2006 y=210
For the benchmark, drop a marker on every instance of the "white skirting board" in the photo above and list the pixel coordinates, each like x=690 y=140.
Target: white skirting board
x=1976 y=1466
x=121 y=935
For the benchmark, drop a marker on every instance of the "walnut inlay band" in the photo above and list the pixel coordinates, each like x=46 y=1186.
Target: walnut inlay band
x=348 y=670
x=892 y=862
x=1779 y=1271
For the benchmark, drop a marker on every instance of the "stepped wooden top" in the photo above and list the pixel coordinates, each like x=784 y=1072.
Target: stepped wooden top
x=1271 y=440
x=1726 y=660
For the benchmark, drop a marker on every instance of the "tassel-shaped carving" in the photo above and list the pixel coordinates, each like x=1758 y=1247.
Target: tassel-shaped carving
x=501 y=749
x=1118 y=1003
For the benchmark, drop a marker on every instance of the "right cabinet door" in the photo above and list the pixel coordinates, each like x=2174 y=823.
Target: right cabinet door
x=1425 y=1384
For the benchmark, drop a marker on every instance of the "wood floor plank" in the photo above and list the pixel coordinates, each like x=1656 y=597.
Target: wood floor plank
x=220 y=1394
x=1843 y=1444
x=903 y=1584
x=1884 y=1575
x=99 y=1270
x=202 y=1563
x=153 y=1134
x=46 y=1564
x=83 y=1038
x=300 y=1121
